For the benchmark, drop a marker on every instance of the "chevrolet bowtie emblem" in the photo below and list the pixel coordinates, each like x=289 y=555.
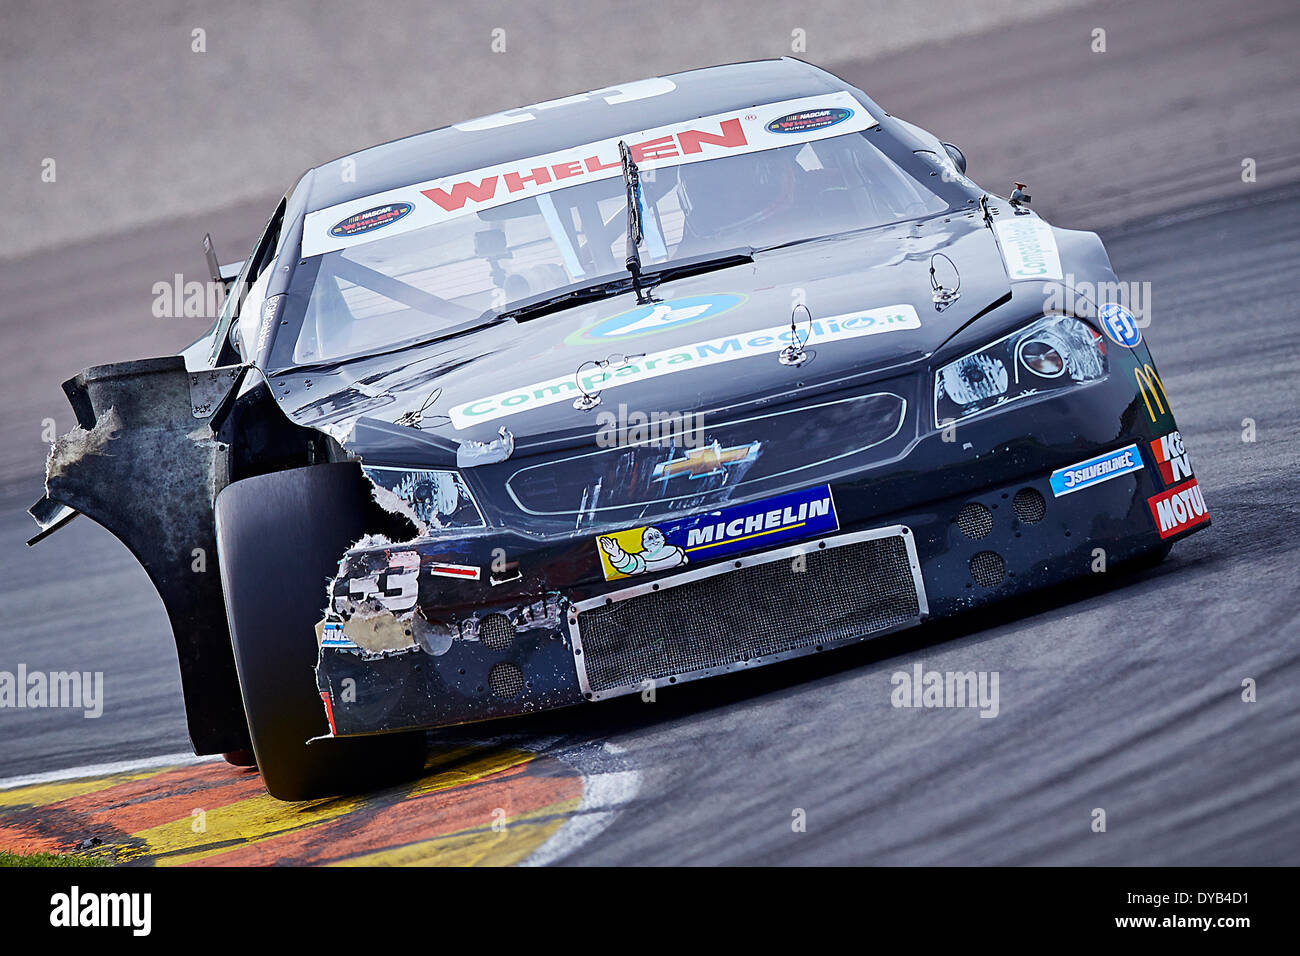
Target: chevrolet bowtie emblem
x=709 y=460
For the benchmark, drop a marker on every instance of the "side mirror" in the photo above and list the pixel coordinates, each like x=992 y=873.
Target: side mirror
x=957 y=156
x=226 y=274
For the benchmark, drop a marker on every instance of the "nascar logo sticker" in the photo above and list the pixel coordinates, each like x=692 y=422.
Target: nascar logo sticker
x=370 y=220
x=1094 y=471
x=1178 y=509
x=702 y=537
x=808 y=120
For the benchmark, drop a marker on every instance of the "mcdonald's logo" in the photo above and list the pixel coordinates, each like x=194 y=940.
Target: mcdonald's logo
x=1148 y=383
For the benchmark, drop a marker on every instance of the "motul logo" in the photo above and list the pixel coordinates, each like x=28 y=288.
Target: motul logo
x=1178 y=509
x=1175 y=465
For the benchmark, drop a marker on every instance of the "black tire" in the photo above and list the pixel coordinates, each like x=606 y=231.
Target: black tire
x=1151 y=559
x=279 y=540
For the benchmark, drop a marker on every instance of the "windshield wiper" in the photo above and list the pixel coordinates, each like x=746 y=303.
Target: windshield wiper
x=695 y=265
x=614 y=284
x=632 y=181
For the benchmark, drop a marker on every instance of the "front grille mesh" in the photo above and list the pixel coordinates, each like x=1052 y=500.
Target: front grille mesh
x=975 y=520
x=988 y=568
x=496 y=632
x=1029 y=505
x=791 y=603
x=506 y=679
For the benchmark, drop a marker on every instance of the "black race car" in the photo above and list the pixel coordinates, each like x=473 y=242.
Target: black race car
x=653 y=383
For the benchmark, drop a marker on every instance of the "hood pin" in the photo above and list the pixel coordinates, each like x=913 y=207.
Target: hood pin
x=795 y=354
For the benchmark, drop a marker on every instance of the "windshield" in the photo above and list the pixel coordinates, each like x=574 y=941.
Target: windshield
x=420 y=283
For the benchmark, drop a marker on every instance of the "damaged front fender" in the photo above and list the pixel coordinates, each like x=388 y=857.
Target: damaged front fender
x=143 y=463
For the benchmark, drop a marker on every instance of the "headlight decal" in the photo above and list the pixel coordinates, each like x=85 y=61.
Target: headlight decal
x=1041 y=357
x=433 y=500
x=974 y=378
x=1053 y=352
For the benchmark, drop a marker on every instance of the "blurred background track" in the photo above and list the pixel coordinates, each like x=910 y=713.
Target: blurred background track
x=1124 y=698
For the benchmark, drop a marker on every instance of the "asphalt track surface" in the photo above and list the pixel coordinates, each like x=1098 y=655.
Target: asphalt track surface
x=1121 y=693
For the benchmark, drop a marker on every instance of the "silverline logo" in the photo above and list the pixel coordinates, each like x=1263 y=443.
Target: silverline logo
x=76 y=909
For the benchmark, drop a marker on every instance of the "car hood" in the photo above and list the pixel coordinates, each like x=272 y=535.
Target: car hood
x=713 y=344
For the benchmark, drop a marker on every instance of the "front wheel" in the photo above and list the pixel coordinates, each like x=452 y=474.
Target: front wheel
x=279 y=540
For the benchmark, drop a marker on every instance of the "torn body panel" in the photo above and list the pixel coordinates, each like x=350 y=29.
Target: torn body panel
x=430 y=500
x=143 y=463
x=409 y=641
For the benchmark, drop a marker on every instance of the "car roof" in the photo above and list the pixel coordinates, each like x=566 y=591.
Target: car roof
x=567 y=122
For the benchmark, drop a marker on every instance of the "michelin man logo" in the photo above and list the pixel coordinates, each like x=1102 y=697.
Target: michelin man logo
x=655 y=553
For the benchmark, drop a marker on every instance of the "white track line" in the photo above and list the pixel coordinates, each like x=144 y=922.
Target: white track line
x=603 y=795
x=105 y=769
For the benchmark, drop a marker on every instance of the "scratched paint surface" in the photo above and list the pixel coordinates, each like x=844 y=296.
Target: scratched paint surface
x=473 y=806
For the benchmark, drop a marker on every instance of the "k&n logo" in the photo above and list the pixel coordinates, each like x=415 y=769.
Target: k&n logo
x=1171 y=456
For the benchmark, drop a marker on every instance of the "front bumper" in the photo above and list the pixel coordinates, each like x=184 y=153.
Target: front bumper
x=979 y=526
